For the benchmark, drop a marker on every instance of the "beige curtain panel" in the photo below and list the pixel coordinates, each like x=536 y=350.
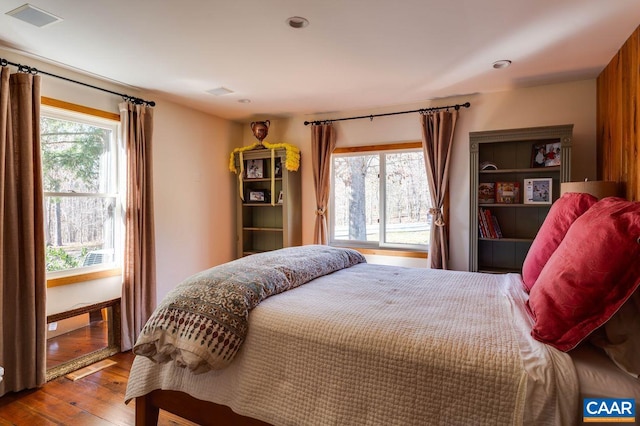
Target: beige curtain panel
x=323 y=142
x=22 y=263
x=437 y=138
x=139 y=272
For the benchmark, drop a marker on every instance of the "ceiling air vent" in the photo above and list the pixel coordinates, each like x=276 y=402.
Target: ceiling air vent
x=220 y=91
x=34 y=16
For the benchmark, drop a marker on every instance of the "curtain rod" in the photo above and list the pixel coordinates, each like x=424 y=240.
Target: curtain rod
x=34 y=71
x=422 y=110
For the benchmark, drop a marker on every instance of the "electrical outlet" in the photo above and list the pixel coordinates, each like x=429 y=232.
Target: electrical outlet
x=53 y=326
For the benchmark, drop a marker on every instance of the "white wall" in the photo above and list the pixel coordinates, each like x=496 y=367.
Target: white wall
x=569 y=103
x=193 y=188
x=194 y=192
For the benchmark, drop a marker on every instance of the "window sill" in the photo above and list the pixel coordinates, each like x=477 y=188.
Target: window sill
x=391 y=252
x=82 y=277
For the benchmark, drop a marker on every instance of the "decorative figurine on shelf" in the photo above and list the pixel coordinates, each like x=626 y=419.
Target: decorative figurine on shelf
x=290 y=162
x=260 y=130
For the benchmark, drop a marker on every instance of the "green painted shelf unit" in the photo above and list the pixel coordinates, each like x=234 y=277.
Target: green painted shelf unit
x=511 y=151
x=261 y=225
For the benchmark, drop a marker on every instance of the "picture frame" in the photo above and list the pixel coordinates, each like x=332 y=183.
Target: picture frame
x=254 y=169
x=538 y=155
x=546 y=155
x=257 y=196
x=281 y=197
x=486 y=193
x=278 y=168
x=538 y=191
x=507 y=192
x=553 y=154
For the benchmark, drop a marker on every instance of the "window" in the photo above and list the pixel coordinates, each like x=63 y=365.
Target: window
x=380 y=199
x=81 y=197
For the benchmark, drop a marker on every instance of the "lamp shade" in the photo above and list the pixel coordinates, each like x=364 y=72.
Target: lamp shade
x=597 y=188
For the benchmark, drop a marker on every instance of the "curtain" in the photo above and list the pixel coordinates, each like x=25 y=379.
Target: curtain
x=437 y=139
x=139 y=272
x=323 y=142
x=22 y=264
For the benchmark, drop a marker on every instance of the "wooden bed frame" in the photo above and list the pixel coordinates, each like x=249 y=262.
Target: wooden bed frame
x=184 y=405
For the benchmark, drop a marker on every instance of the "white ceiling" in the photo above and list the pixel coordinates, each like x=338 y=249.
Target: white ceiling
x=355 y=54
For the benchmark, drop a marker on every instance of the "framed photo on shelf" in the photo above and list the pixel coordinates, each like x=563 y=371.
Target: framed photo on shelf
x=538 y=155
x=486 y=193
x=278 y=168
x=552 y=155
x=546 y=155
x=538 y=191
x=254 y=169
x=257 y=196
x=508 y=192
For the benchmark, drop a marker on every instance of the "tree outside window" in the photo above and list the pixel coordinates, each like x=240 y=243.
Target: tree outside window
x=380 y=199
x=79 y=179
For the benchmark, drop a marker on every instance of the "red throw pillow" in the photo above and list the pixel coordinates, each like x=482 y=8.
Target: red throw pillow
x=560 y=217
x=591 y=274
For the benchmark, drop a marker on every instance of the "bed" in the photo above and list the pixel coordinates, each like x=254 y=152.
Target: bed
x=314 y=335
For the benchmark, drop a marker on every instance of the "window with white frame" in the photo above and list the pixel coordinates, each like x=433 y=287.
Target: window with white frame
x=82 y=215
x=380 y=199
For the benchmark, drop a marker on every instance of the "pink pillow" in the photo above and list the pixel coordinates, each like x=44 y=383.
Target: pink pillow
x=592 y=273
x=560 y=217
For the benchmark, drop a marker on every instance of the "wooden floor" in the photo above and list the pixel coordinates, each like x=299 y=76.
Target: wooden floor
x=97 y=399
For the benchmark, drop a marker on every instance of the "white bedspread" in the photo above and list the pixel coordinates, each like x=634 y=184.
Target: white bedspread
x=381 y=345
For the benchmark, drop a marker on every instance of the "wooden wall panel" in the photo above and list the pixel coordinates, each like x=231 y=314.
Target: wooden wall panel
x=618 y=119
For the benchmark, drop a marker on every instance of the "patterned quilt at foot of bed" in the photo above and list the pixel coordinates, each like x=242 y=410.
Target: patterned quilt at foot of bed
x=202 y=323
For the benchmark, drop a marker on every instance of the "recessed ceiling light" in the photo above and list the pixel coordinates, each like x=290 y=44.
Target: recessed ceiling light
x=34 y=16
x=504 y=63
x=297 y=22
x=219 y=91
x=244 y=101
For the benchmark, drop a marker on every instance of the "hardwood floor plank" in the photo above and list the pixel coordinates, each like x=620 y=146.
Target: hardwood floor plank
x=90 y=369
x=20 y=414
x=59 y=412
x=94 y=400
x=112 y=381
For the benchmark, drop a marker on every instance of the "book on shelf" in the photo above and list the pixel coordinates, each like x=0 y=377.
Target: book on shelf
x=488 y=225
x=489 y=221
x=482 y=227
x=507 y=192
x=496 y=226
x=487 y=193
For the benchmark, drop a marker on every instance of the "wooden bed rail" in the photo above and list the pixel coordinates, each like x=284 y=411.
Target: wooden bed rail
x=181 y=404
